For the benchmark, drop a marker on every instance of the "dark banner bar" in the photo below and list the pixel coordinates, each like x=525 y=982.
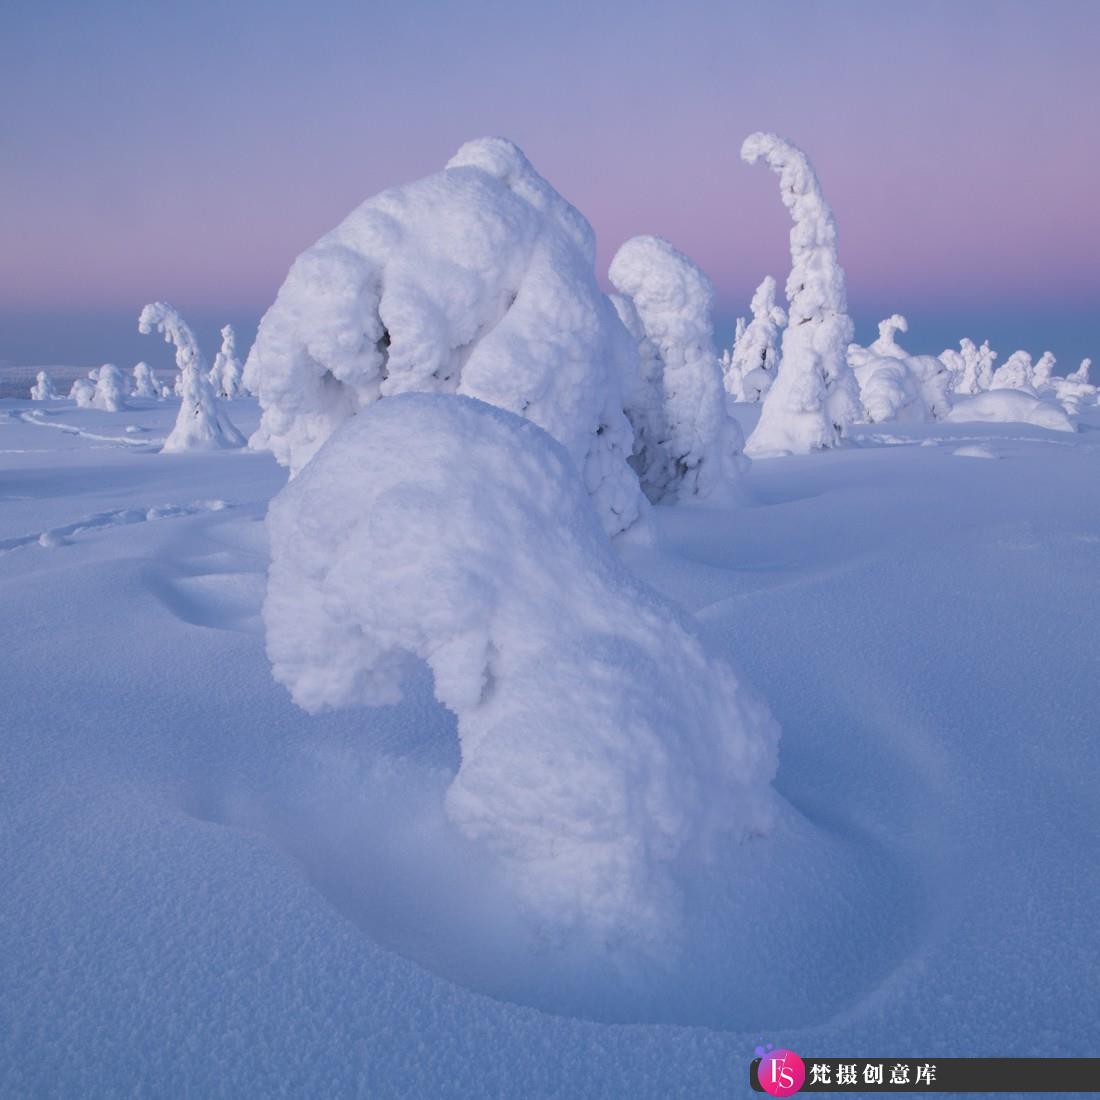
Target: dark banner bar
x=867 y=1075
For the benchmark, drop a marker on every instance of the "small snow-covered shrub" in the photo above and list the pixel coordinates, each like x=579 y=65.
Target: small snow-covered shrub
x=110 y=390
x=225 y=374
x=755 y=357
x=600 y=743
x=43 y=389
x=202 y=423
x=145 y=384
x=477 y=280
x=815 y=396
x=83 y=393
x=696 y=451
x=1010 y=406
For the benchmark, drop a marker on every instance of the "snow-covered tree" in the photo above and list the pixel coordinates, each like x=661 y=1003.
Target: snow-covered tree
x=225 y=375
x=478 y=280
x=202 y=424
x=43 y=389
x=600 y=742
x=145 y=384
x=968 y=368
x=731 y=378
x=110 y=389
x=700 y=444
x=1081 y=374
x=984 y=369
x=82 y=392
x=1014 y=374
x=755 y=356
x=815 y=395
x=1041 y=372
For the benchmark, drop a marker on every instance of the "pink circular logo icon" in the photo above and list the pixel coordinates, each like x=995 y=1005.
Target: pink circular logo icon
x=781 y=1073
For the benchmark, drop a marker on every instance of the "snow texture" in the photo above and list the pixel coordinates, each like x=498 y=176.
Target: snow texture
x=600 y=742
x=698 y=445
x=815 y=396
x=477 y=280
x=202 y=424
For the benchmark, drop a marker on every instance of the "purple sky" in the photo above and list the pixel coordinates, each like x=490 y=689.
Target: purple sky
x=189 y=152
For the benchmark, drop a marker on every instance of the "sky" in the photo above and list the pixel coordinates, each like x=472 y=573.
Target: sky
x=189 y=152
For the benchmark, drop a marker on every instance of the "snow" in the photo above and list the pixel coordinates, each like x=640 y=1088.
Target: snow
x=1015 y=373
x=698 y=446
x=145 y=384
x=599 y=740
x=208 y=892
x=477 y=280
x=1010 y=406
x=202 y=423
x=815 y=396
x=110 y=390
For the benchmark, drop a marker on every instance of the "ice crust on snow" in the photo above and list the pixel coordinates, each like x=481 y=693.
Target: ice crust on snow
x=815 y=395
x=689 y=446
x=202 y=424
x=600 y=741
x=476 y=280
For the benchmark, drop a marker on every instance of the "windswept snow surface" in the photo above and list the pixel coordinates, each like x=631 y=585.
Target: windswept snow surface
x=207 y=892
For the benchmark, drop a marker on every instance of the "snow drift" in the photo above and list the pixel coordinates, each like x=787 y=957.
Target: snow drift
x=601 y=745
x=1010 y=406
x=685 y=443
x=477 y=280
x=815 y=395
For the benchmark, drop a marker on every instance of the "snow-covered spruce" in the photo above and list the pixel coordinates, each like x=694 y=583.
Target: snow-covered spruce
x=225 y=374
x=202 y=424
x=478 y=280
x=1042 y=371
x=1014 y=374
x=1075 y=390
x=815 y=396
x=43 y=388
x=145 y=384
x=895 y=385
x=110 y=389
x=600 y=743
x=685 y=443
x=82 y=392
x=755 y=356
x=971 y=367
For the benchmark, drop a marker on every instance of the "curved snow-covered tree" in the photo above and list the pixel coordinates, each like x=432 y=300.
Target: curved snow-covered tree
x=226 y=373
x=1074 y=390
x=145 y=383
x=43 y=388
x=601 y=744
x=1014 y=374
x=82 y=392
x=755 y=356
x=202 y=423
x=701 y=444
x=1081 y=374
x=815 y=396
x=110 y=390
x=477 y=280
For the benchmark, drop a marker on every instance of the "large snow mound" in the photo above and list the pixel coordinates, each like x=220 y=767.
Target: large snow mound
x=477 y=280
x=600 y=742
x=1010 y=406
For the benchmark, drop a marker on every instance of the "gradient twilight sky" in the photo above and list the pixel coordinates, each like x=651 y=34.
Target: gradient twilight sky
x=189 y=151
